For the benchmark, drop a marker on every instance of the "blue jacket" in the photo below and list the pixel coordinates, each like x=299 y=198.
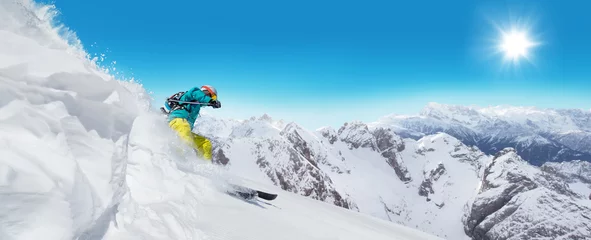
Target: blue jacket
x=192 y=110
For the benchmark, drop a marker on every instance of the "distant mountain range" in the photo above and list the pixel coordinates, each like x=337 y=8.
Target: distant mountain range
x=538 y=135
x=412 y=170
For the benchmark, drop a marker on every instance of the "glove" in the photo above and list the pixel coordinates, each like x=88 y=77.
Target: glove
x=215 y=104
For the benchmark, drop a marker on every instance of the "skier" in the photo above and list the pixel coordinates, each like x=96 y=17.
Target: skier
x=183 y=109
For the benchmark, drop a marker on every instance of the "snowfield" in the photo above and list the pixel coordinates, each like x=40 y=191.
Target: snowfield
x=84 y=157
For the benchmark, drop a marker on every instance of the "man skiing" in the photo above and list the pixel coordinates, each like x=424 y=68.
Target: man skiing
x=183 y=109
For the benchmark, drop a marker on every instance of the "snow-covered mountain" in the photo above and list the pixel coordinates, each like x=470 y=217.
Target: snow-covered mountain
x=577 y=174
x=519 y=201
x=436 y=183
x=83 y=156
x=538 y=135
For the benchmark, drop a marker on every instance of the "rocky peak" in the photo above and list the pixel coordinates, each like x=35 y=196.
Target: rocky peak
x=329 y=133
x=504 y=168
x=439 y=139
x=571 y=170
x=291 y=128
x=356 y=134
x=387 y=140
x=513 y=190
x=508 y=153
x=353 y=127
x=265 y=117
x=389 y=145
x=302 y=147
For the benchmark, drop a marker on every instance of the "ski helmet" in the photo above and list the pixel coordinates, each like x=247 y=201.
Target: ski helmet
x=211 y=90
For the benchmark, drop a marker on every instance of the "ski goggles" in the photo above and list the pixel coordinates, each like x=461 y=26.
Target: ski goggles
x=211 y=93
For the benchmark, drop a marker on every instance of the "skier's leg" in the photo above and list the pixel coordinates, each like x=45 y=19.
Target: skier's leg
x=183 y=129
x=203 y=146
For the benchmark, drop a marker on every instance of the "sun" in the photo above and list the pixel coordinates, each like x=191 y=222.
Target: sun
x=515 y=37
x=516 y=44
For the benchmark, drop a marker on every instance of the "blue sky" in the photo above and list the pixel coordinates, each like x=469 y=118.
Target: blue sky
x=322 y=63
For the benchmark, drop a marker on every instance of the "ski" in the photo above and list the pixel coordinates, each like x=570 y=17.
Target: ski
x=266 y=195
x=249 y=193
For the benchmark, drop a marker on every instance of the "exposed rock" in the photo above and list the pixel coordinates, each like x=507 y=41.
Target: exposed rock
x=389 y=145
x=518 y=201
x=497 y=197
x=330 y=134
x=357 y=135
x=538 y=135
x=300 y=173
x=300 y=145
x=426 y=187
x=570 y=170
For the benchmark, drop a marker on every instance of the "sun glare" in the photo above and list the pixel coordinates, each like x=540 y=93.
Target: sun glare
x=516 y=40
x=515 y=44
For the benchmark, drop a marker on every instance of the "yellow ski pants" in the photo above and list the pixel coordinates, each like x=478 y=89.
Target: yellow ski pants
x=199 y=143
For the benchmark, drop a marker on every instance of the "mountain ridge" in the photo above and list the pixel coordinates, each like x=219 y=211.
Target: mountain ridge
x=539 y=135
x=420 y=183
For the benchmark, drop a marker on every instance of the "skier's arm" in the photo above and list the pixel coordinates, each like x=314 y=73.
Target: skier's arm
x=196 y=95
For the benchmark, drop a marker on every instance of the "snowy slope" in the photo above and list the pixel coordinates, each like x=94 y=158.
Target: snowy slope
x=83 y=157
x=423 y=184
x=165 y=203
x=63 y=125
x=435 y=184
x=538 y=135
